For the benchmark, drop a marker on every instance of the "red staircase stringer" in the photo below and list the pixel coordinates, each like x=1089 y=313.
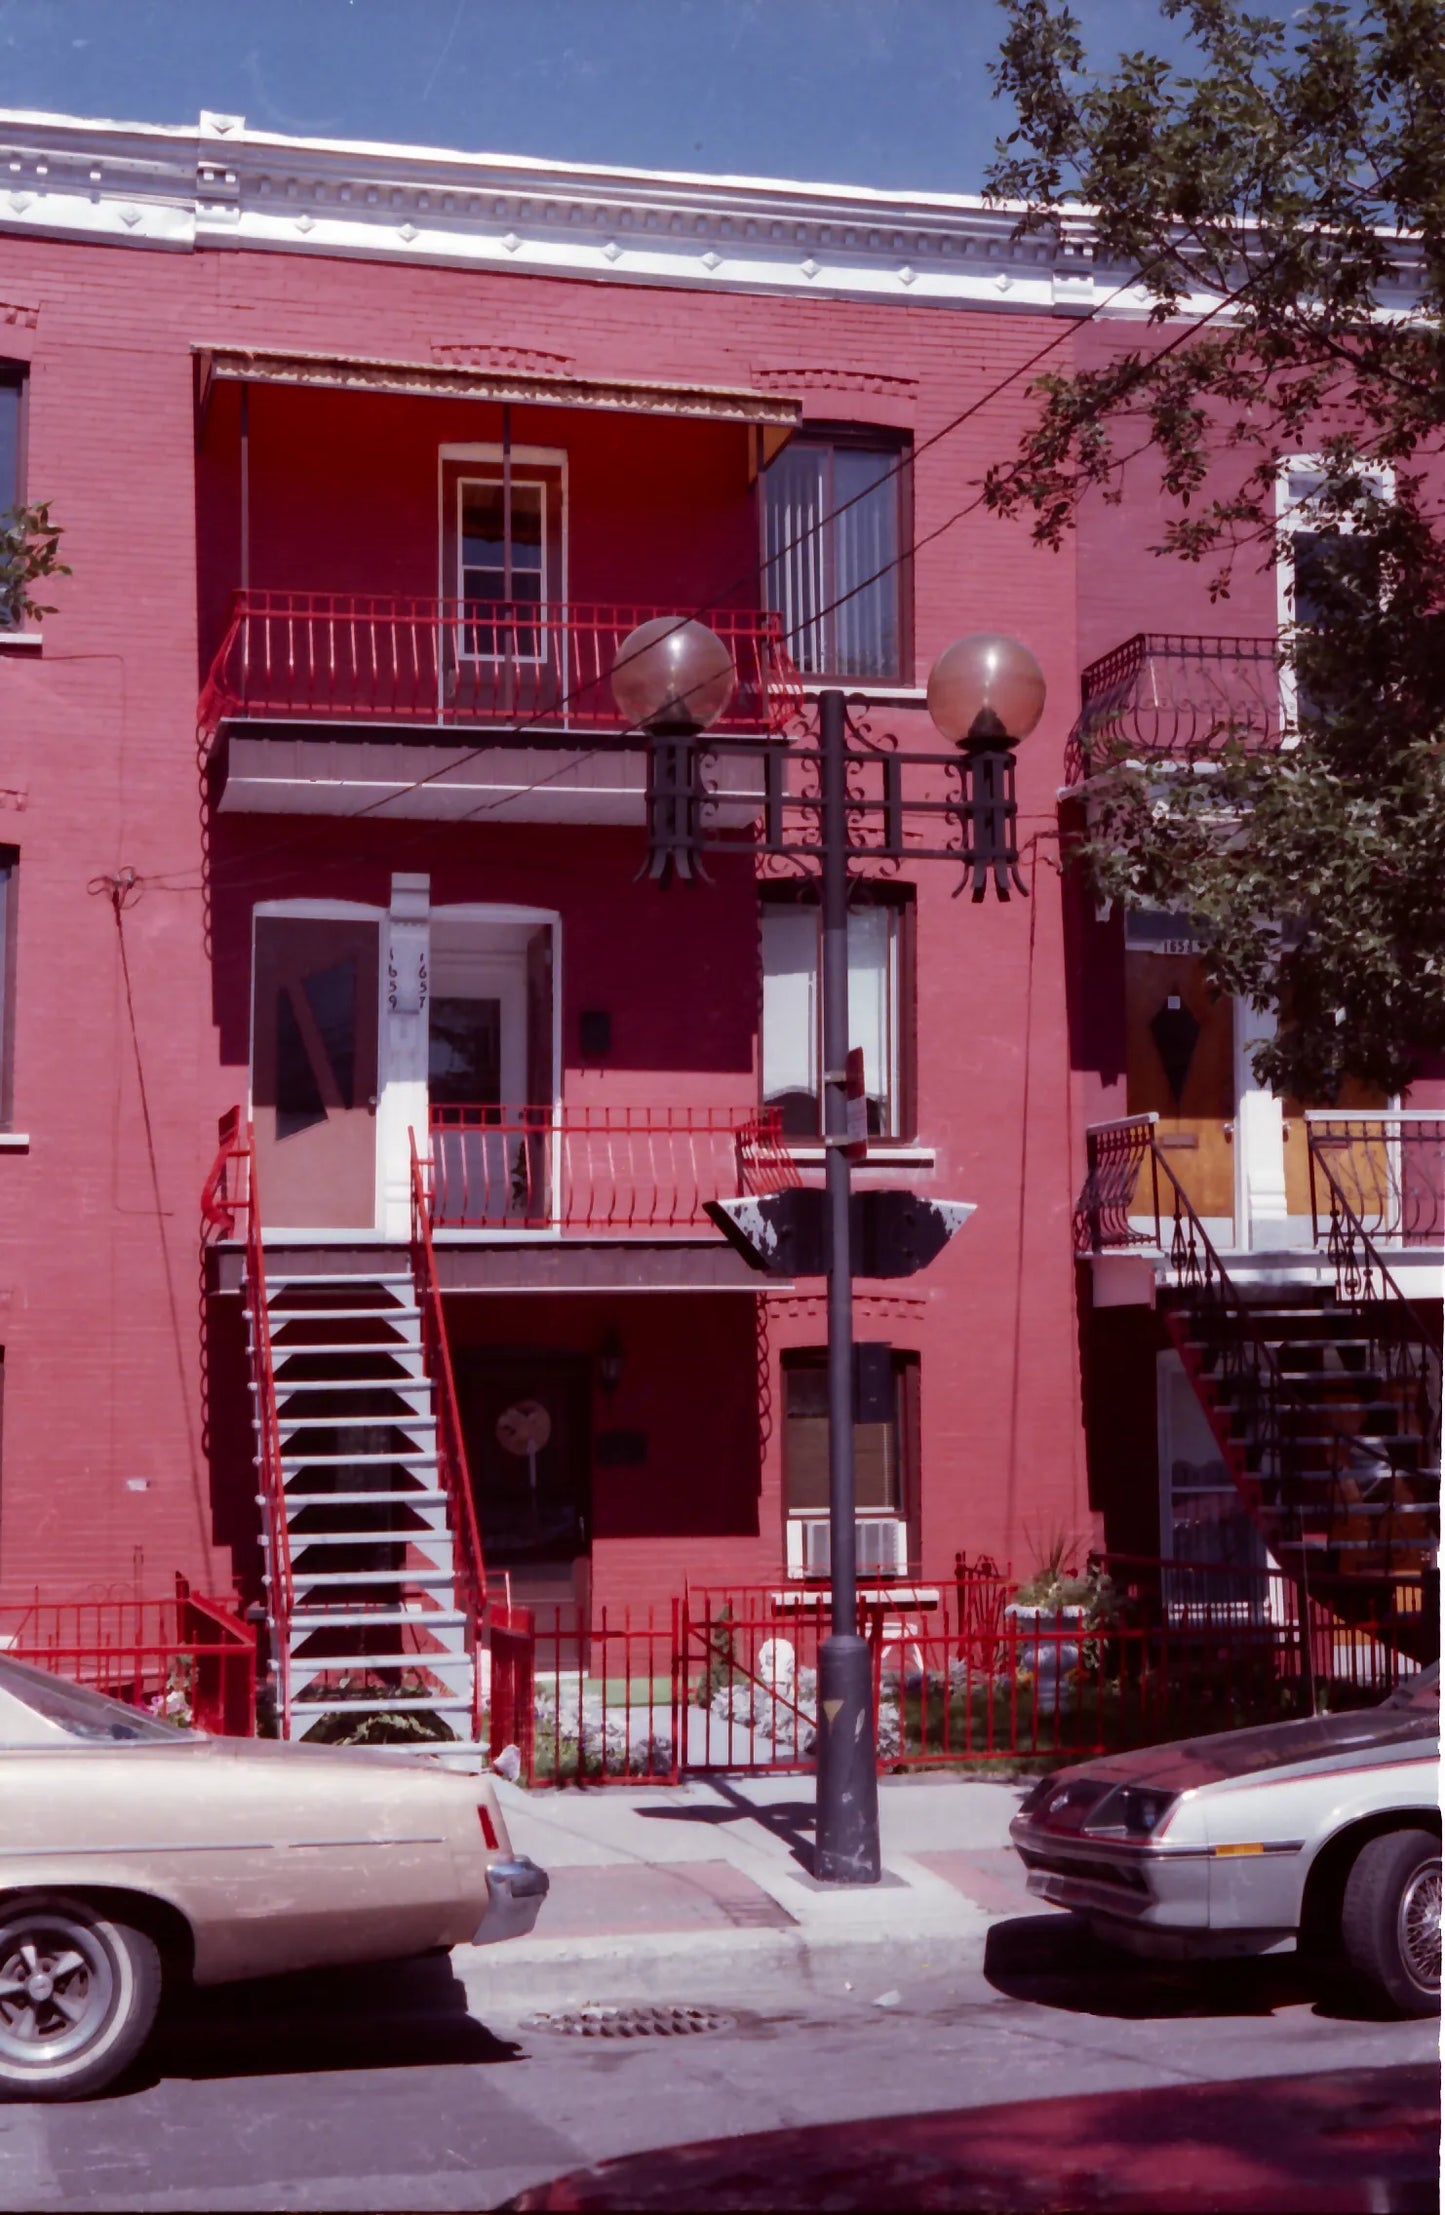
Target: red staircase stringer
x=453 y=1474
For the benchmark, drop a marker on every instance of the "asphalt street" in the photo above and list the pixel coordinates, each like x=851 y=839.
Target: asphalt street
x=390 y=2089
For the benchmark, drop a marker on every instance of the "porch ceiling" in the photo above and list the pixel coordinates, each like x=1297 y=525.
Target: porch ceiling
x=470 y=1264
x=296 y=770
x=773 y=415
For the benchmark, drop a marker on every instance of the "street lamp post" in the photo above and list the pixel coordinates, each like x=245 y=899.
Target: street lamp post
x=985 y=693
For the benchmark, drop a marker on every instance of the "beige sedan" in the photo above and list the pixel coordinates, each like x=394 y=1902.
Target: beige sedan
x=133 y=1855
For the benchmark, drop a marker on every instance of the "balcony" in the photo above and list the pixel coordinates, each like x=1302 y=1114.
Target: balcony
x=317 y=703
x=1177 y=698
x=598 y=1172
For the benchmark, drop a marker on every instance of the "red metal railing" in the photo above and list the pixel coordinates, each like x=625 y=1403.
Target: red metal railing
x=587 y=1699
x=229 y=1191
x=452 y=1472
x=618 y=1170
x=187 y=1658
x=463 y=665
x=963 y=1673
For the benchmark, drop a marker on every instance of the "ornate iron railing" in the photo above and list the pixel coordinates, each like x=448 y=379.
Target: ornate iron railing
x=603 y=1170
x=1173 y=696
x=1387 y=1170
x=1117 y=1154
x=469 y=665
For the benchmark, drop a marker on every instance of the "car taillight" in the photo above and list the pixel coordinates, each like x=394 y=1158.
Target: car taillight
x=489 y=1828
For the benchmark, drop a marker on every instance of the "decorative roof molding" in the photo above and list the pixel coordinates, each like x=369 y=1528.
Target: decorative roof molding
x=219 y=184
x=19 y=314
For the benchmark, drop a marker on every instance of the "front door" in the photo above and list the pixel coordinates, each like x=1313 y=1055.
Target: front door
x=314 y=1070
x=1180 y=1047
x=526 y=1422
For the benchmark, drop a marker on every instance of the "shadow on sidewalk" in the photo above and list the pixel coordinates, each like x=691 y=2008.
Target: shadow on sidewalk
x=786 y=1820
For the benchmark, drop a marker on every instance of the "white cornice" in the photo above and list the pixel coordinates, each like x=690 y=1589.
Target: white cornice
x=217 y=184
x=220 y=185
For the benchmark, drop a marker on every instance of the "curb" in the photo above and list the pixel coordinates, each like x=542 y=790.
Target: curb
x=525 y=1972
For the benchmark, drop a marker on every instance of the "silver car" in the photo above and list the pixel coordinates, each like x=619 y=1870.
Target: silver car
x=1322 y=1834
x=134 y=1855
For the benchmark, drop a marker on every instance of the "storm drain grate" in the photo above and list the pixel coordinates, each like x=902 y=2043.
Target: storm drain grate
x=596 y=2020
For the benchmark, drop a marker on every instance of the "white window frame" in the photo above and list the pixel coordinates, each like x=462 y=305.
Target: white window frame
x=1294 y=512
x=491 y=459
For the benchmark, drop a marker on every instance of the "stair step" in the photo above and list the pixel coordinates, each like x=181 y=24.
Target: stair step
x=445 y=1703
x=351 y=1384
x=349 y=1350
x=306 y=1621
x=399 y=1311
x=355 y=1461
x=335 y=1664
x=432 y=1496
x=302 y=1281
x=313 y=1579
x=302 y=1541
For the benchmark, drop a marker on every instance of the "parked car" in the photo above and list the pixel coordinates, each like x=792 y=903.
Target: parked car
x=133 y=1854
x=1322 y=1834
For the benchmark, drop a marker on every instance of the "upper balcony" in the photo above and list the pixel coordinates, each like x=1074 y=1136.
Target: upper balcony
x=416 y=579
x=329 y=675
x=1177 y=698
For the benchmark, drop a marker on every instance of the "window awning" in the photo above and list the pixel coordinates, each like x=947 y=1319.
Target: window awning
x=773 y=416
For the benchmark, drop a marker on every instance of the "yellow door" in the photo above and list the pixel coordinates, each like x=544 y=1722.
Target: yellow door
x=1180 y=1056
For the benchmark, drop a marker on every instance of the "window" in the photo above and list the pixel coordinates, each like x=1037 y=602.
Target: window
x=1325 y=559
x=503 y=554
x=12 y=393
x=499 y=558
x=880 y=1007
x=12 y=397
x=8 y=863
x=834 y=529
x=885 y=1451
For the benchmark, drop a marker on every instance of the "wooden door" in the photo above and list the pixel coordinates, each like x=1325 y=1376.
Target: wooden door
x=1180 y=1050
x=314 y=1070
x=526 y=1421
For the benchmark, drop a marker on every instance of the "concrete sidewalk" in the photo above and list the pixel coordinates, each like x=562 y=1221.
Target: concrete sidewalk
x=721 y=1867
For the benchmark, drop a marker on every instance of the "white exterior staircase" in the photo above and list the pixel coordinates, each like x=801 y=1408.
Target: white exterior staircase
x=369 y=1611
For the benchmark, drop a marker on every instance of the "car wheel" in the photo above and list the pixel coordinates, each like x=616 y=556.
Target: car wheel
x=78 y=1995
x=1390 y=1919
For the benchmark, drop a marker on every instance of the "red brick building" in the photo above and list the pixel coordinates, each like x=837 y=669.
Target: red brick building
x=314 y=801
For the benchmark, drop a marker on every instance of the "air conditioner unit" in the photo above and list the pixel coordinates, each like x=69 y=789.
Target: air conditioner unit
x=882 y=1546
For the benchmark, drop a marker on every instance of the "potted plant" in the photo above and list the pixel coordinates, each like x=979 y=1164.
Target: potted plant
x=1052 y=1612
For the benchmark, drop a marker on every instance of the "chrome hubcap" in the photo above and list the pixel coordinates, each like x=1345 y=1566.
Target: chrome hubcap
x=56 y=1989
x=1419 y=1926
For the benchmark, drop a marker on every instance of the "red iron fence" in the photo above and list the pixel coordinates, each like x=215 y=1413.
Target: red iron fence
x=603 y=1170
x=458 y=664
x=963 y=1673
x=586 y=1701
x=188 y=1658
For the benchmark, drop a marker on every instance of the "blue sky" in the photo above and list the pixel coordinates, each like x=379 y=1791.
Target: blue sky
x=875 y=92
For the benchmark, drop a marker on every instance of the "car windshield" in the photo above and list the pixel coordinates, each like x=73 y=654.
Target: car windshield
x=76 y=1710
x=1422 y=1691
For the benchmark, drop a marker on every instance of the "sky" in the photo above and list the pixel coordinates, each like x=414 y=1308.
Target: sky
x=892 y=93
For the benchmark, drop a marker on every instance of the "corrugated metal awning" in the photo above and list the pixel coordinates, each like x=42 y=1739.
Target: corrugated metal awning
x=774 y=417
